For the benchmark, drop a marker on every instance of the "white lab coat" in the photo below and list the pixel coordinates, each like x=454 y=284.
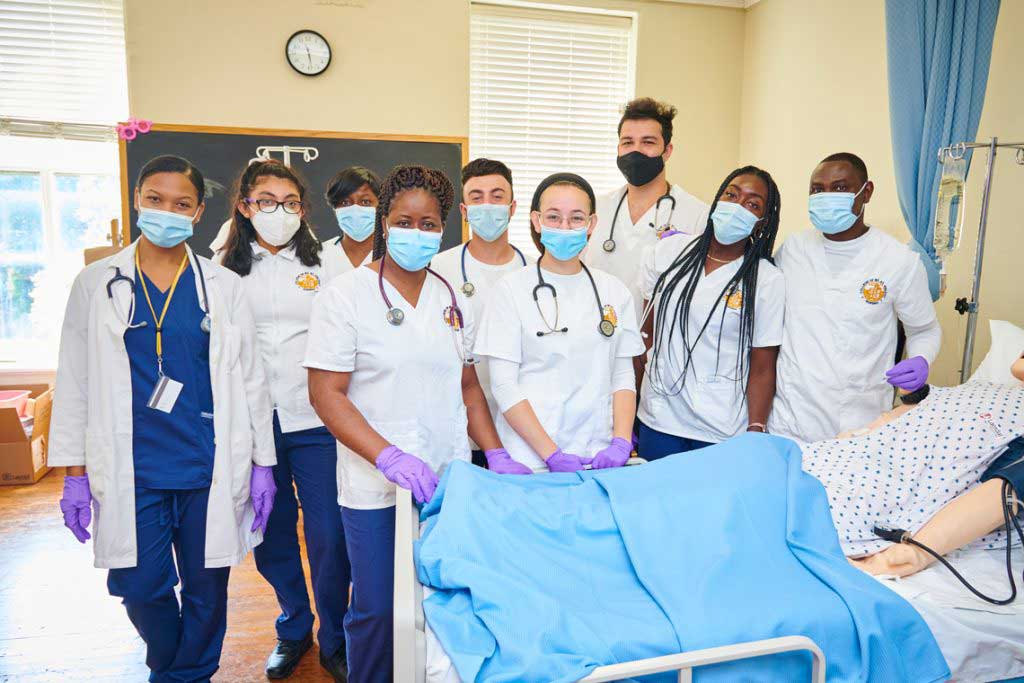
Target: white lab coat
x=634 y=240
x=840 y=333
x=92 y=410
x=567 y=376
x=711 y=405
x=335 y=260
x=406 y=380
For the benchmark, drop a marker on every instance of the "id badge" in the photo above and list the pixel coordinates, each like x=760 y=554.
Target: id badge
x=165 y=394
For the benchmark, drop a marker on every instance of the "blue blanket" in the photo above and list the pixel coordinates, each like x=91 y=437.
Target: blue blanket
x=546 y=577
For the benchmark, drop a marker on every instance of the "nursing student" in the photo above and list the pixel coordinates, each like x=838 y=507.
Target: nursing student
x=391 y=375
x=560 y=338
x=847 y=285
x=162 y=417
x=353 y=194
x=717 y=302
x=271 y=246
x=476 y=266
x=632 y=218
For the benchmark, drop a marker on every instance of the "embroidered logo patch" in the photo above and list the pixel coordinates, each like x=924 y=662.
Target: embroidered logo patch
x=608 y=313
x=308 y=281
x=873 y=290
x=734 y=300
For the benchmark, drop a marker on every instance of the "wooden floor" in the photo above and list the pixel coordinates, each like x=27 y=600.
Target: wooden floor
x=58 y=623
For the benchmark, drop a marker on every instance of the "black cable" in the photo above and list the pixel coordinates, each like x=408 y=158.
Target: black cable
x=902 y=536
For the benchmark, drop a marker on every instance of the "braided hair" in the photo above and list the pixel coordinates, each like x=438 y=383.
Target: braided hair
x=401 y=179
x=687 y=269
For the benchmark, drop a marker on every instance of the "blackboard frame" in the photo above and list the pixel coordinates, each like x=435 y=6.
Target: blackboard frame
x=126 y=181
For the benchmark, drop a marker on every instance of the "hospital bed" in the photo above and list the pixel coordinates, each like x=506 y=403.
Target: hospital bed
x=411 y=634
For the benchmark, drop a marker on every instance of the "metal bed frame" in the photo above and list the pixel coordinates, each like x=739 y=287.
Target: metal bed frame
x=410 y=627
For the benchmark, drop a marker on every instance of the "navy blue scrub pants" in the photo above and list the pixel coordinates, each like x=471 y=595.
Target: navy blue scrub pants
x=370 y=535
x=655 y=445
x=309 y=458
x=183 y=642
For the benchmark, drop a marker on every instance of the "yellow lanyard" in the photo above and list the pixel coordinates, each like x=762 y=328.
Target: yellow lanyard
x=167 y=302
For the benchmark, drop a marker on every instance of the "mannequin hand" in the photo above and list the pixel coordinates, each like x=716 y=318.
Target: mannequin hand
x=898 y=559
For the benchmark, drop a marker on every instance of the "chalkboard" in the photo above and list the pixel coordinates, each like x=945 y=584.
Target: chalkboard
x=222 y=153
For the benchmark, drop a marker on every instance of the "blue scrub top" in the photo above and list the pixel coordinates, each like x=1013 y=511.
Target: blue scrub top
x=171 y=450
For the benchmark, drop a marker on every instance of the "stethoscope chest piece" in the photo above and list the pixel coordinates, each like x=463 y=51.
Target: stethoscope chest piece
x=609 y=245
x=205 y=324
x=468 y=288
x=395 y=316
x=606 y=328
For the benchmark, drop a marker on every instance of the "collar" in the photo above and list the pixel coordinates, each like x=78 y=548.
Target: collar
x=260 y=251
x=125 y=260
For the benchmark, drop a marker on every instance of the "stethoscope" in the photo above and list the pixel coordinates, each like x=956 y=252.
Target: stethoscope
x=204 y=324
x=452 y=314
x=609 y=244
x=607 y=325
x=468 y=288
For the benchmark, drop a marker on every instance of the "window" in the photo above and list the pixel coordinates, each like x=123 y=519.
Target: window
x=547 y=88
x=64 y=87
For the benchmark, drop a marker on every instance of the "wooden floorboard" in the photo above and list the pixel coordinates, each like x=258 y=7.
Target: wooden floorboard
x=59 y=624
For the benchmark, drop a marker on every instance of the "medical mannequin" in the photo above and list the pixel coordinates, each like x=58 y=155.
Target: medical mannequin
x=476 y=266
x=632 y=218
x=162 y=418
x=272 y=248
x=353 y=194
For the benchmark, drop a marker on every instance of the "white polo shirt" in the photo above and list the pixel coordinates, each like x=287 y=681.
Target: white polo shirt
x=336 y=261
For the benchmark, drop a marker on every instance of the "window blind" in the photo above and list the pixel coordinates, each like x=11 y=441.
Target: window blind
x=546 y=91
x=63 y=61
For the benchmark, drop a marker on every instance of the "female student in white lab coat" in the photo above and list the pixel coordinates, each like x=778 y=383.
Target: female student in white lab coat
x=391 y=375
x=162 y=417
x=270 y=245
x=718 y=304
x=560 y=340
x=353 y=194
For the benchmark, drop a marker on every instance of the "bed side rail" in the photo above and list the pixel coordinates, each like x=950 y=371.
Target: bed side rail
x=410 y=655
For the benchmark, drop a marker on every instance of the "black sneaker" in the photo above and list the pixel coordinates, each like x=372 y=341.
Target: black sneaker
x=286 y=656
x=336 y=665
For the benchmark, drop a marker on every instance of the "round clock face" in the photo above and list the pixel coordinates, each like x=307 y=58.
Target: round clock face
x=308 y=53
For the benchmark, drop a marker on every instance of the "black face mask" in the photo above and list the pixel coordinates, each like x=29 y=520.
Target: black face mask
x=639 y=168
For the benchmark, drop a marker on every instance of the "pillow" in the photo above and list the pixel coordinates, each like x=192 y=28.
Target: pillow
x=1007 y=346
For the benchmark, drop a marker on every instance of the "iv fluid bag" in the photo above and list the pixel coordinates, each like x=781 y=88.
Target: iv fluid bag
x=949 y=207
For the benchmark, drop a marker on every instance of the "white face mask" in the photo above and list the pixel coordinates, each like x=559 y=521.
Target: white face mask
x=276 y=228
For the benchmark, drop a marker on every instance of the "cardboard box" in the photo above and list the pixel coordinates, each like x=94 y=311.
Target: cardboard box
x=23 y=456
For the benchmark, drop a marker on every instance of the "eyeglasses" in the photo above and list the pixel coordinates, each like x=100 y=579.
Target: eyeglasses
x=270 y=205
x=554 y=219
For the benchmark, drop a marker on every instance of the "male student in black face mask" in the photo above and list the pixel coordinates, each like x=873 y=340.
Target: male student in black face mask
x=632 y=218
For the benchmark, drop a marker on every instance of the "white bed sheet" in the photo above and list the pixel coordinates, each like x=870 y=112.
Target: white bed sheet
x=981 y=642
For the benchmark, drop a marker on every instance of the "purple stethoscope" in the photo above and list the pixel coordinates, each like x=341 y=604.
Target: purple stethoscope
x=453 y=316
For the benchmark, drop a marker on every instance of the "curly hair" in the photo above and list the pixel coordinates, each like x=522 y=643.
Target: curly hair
x=402 y=179
x=650 y=108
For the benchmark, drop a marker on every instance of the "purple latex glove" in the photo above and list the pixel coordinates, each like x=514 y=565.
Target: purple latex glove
x=409 y=472
x=76 y=504
x=498 y=460
x=668 y=233
x=262 y=489
x=615 y=455
x=566 y=462
x=909 y=375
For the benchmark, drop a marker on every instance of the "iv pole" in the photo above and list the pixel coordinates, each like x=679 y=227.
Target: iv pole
x=962 y=305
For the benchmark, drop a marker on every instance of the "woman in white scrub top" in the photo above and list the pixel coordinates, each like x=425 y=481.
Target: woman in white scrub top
x=353 y=194
x=718 y=304
x=560 y=339
x=391 y=375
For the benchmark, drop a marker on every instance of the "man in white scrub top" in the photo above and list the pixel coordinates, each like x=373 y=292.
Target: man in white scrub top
x=632 y=218
x=847 y=285
x=475 y=267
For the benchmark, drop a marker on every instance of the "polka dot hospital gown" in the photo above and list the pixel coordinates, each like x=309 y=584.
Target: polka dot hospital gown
x=903 y=473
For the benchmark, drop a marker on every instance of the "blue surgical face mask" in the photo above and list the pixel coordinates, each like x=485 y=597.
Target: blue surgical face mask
x=356 y=221
x=832 y=212
x=488 y=221
x=564 y=245
x=164 y=228
x=732 y=222
x=412 y=249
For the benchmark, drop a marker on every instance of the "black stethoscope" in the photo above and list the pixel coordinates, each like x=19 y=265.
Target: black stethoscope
x=609 y=244
x=452 y=314
x=607 y=325
x=468 y=288
x=205 y=324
